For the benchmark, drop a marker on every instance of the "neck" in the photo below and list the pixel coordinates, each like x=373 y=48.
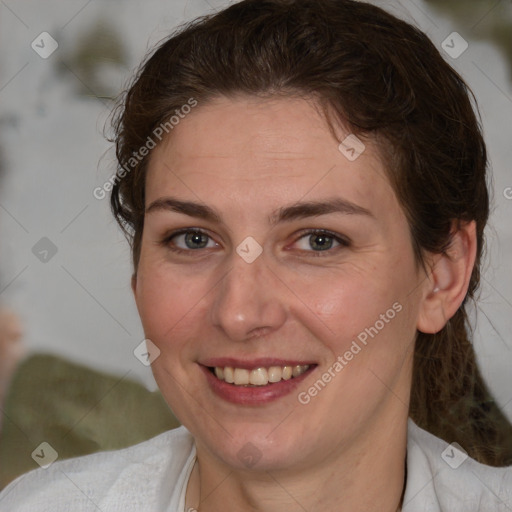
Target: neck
x=369 y=476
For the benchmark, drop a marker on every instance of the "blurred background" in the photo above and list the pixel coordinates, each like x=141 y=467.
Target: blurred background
x=64 y=265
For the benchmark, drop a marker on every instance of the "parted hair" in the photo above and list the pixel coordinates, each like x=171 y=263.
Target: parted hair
x=384 y=79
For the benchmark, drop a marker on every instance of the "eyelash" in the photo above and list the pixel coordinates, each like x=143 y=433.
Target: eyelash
x=344 y=242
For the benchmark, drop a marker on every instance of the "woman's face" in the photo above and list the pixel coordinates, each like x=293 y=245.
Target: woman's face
x=231 y=276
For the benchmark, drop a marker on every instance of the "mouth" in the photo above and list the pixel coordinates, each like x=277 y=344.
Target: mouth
x=260 y=376
x=257 y=382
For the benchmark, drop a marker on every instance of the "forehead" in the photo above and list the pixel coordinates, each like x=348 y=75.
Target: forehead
x=278 y=148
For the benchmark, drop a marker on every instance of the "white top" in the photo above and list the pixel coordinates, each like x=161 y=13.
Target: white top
x=152 y=477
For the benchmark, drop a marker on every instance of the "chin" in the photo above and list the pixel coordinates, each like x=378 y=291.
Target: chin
x=258 y=448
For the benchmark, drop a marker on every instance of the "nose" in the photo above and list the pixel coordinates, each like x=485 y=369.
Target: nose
x=248 y=302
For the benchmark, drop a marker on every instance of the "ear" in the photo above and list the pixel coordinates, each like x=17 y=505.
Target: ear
x=449 y=278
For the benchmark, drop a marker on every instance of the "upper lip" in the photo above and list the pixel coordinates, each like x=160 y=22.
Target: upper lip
x=250 y=364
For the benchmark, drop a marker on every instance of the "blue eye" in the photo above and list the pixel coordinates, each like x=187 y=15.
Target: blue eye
x=315 y=241
x=321 y=240
x=193 y=239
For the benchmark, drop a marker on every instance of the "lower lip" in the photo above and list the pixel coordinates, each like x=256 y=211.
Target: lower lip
x=253 y=395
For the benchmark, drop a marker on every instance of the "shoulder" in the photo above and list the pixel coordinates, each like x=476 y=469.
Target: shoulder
x=442 y=478
x=140 y=478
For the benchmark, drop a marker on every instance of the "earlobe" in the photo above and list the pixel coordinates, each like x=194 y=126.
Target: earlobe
x=449 y=279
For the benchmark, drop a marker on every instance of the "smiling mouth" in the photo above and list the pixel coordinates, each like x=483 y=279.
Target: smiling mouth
x=258 y=376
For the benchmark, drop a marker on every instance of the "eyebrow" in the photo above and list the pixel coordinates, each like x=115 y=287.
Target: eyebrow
x=283 y=214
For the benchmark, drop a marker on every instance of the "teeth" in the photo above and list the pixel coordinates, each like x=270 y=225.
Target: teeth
x=275 y=373
x=229 y=374
x=296 y=371
x=241 y=377
x=287 y=372
x=258 y=376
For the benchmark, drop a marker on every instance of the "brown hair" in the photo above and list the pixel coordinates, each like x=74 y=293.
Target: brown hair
x=385 y=79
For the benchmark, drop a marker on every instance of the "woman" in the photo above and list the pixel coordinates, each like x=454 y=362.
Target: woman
x=303 y=184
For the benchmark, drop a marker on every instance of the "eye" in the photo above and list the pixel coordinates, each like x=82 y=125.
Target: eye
x=320 y=241
x=312 y=241
x=188 y=240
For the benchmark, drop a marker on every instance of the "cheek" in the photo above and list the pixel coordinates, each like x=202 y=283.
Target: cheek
x=362 y=304
x=344 y=299
x=167 y=303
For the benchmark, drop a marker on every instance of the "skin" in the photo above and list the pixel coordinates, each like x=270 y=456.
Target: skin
x=246 y=157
